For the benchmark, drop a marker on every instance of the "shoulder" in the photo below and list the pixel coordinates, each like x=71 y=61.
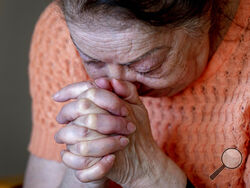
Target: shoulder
x=53 y=60
x=50 y=28
x=53 y=56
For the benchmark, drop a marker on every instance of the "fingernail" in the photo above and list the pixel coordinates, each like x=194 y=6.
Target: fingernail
x=124 y=111
x=131 y=127
x=124 y=141
x=110 y=158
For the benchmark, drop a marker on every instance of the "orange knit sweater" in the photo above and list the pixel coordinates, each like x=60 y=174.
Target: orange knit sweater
x=193 y=127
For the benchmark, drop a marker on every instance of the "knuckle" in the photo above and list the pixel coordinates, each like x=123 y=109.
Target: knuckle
x=91 y=92
x=80 y=121
x=92 y=120
x=85 y=131
x=80 y=176
x=83 y=104
x=86 y=162
x=72 y=148
x=82 y=148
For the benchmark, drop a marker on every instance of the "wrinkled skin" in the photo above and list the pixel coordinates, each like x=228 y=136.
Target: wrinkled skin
x=179 y=57
x=94 y=134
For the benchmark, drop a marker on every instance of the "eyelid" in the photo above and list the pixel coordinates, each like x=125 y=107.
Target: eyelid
x=151 y=70
x=92 y=62
x=158 y=65
x=154 y=56
x=95 y=64
x=155 y=64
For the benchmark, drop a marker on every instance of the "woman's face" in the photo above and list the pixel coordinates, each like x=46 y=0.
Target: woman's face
x=160 y=62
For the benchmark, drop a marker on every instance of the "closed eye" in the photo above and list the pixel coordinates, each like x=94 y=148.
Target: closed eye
x=151 y=71
x=150 y=66
x=96 y=64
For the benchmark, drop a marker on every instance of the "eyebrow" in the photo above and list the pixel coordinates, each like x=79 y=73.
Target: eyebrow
x=125 y=64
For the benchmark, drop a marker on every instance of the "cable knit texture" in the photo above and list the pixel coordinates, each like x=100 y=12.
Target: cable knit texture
x=193 y=127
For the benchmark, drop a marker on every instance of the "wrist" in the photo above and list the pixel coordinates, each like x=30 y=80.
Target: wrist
x=161 y=172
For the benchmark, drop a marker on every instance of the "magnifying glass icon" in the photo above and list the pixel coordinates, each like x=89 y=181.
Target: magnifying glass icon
x=231 y=158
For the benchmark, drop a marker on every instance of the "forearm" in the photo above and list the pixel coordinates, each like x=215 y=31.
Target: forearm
x=70 y=180
x=173 y=176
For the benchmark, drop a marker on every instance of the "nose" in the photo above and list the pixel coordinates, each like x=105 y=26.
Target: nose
x=121 y=72
x=116 y=71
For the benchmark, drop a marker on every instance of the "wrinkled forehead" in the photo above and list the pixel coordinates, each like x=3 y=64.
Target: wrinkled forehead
x=100 y=37
x=103 y=34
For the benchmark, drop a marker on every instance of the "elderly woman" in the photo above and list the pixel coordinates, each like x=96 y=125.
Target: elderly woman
x=151 y=92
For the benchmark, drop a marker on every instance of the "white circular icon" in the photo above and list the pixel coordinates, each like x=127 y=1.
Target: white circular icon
x=231 y=158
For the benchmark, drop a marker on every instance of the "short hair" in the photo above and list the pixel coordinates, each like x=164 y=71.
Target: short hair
x=152 y=12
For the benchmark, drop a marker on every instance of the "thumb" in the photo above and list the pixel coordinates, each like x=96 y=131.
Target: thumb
x=103 y=83
x=126 y=90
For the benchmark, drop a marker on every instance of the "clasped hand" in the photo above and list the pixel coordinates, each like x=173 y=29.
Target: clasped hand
x=107 y=133
x=100 y=123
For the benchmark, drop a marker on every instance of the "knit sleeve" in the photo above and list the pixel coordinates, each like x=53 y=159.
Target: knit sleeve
x=54 y=63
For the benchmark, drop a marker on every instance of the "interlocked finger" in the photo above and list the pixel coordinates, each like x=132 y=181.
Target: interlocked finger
x=106 y=124
x=75 y=109
x=77 y=162
x=73 y=134
x=100 y=147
